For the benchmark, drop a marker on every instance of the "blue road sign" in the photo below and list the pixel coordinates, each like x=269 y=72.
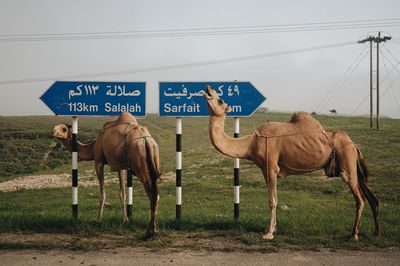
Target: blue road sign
x=74 y=98
x=186 y=98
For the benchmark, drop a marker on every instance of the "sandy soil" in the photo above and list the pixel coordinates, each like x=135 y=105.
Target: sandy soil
x=88 y=178
x=47 y=181
x=138 y=256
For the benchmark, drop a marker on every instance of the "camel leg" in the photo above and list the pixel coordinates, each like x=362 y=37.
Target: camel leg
x=348 y=173
x=102 y=195
x=122 y=195
x=352 y=182
x=152 y=191
x=272 y=182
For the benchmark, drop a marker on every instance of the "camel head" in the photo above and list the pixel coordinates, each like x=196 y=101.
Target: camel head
x=61 y=131
x=216 y=106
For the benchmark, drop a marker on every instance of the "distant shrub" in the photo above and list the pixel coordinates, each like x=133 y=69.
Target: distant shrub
x=19 y=155
x=54 y=163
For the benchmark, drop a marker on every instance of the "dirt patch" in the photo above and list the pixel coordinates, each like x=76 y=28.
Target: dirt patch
x=50 y=181
x=140 y=256
x=88 y=178
x=168 y=177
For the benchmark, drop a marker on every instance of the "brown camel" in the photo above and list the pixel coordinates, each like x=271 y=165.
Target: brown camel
x=122 y=144
x=296 y=147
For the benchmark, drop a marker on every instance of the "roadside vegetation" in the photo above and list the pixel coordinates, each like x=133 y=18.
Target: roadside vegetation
x=314 y=212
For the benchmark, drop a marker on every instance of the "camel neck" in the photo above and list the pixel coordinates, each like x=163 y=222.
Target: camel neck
x=233 y=147
x=85 y=151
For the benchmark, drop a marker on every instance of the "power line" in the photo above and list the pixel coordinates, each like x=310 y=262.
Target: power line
x=343 y=77
x=394 y=57
x=393 y=65
x=396 y=20
x=358 y=107
x=341 y=85
x=384 y=78
x=349 y=71
x=177 y=66
x=185 y=32
x=391 y=83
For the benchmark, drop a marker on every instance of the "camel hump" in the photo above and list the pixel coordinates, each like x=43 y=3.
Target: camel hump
x=305 y=119
x=126 y=117
x=300 y=122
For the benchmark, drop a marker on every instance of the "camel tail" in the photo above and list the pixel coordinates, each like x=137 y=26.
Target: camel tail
x=152 y=157
x=362 y=175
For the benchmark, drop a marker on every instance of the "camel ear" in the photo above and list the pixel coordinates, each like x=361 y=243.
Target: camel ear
x=69 y=126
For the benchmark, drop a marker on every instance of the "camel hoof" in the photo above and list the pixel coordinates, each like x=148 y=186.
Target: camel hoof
x=150 y=235
x=353 y=237
x=268 y=236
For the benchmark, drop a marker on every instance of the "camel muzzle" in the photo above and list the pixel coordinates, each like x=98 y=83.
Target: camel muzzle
x=56 y=134
x=208 y=88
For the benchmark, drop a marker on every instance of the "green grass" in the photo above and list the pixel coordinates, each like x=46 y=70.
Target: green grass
x=313 y=212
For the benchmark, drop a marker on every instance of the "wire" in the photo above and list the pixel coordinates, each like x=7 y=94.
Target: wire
x=349 y=71
x=213 y=28
x=177 y=66
x=384 y=59
x=389 y=87
x=341 y=86
x=391 y=83
x=358 y=107
x=394 y=57
x=185 y=32
x=340 y=80
x=393 y=65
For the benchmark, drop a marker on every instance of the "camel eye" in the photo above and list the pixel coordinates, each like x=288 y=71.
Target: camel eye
x=64 y=130
x=220 y=101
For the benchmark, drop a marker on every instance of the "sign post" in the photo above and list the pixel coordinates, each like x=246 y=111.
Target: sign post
x=180 y=99
x=88 y=98
x=74 y=167
x=236 y=174
x=178 y=171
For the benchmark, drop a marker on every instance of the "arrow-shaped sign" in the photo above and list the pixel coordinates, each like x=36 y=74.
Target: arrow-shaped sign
x=75 y=98
x=186 y=98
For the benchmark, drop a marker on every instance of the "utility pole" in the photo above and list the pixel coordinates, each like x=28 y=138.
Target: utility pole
x=377 y=80
x=378 y=40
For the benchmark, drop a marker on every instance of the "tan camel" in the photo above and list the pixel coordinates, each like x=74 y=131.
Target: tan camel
x=122 y=144
x=296 y=147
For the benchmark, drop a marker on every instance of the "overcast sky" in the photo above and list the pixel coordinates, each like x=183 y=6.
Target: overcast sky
x=312 y=80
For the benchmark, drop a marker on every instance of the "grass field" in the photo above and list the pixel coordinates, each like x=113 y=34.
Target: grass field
x=314 y=212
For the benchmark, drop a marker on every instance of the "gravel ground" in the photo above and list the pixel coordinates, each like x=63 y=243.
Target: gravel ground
x=135 y=256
